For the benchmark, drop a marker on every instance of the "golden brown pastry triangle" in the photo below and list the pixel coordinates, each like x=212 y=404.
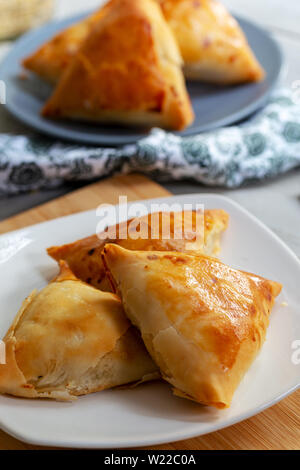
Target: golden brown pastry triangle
x=84 y=256
x=128 y=71
x=202 y=322
x=212 y=44
x=71 y=339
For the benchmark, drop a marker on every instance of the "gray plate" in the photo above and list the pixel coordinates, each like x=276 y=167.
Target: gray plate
x=214 y=106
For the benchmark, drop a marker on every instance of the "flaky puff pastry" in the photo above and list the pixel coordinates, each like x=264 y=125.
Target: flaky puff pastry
x=204 y=229
x=202 y=322
x=212 y=44
x=52 y=58
x=71 y=339
x=128 y=71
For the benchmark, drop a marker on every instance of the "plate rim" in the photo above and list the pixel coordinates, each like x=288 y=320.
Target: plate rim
x=126 y=444
x=167 y=436
x=106 y=140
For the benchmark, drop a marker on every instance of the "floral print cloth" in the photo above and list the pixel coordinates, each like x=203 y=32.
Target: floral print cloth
x=266 y=146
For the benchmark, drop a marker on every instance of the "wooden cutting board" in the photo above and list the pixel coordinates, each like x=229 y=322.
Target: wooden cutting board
x=276 y=428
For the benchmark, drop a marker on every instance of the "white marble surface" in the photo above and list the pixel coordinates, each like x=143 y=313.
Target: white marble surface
x=276 y=203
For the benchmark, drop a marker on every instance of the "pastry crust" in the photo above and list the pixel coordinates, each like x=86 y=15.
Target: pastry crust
x=202 y=322
x=71 y=339
x=84 y=256
x=51 y=60
x=212 y=44
x=131 y=79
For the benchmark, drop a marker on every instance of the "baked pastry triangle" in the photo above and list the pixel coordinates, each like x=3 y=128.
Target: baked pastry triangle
x=128 y=71
x=212 y=44
x=71 y=339
x=84 y=256
x=51 y=59
x=202 y=322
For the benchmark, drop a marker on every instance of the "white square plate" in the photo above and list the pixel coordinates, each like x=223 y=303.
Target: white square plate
x=150 y=414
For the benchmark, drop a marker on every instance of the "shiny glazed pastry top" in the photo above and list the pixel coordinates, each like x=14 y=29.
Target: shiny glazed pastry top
x=127 y=71
x=202 y=322
x=212 y=44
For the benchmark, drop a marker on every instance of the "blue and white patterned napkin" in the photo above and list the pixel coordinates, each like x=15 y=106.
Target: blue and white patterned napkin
x=264 y=147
